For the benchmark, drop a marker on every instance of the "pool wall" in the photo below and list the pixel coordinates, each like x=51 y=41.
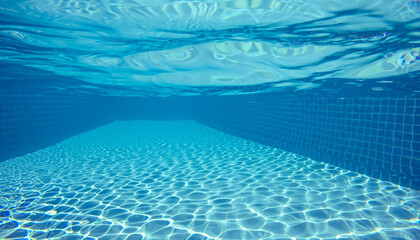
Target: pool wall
x=30 y=122
x=379 y=137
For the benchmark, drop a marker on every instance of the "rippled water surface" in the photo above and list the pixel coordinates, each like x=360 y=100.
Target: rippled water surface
x=182 y=180
x=164 y=47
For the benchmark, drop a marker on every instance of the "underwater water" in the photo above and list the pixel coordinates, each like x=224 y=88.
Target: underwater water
x=218 y=119
x=170 y=47
x=182 y=180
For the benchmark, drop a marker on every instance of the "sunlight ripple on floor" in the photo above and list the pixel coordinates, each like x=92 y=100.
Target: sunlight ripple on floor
x=182 y=180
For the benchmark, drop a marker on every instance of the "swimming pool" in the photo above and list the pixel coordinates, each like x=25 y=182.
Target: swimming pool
x=182 y=180
x=222 y=119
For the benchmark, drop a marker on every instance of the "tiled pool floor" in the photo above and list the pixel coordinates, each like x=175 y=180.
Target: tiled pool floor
x=182 y=180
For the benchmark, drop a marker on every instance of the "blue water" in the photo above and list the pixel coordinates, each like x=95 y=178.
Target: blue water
x=163 y=48
x=182 y=180
x=223 y=119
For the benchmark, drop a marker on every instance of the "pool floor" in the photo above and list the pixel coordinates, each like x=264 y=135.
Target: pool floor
x=182 y=180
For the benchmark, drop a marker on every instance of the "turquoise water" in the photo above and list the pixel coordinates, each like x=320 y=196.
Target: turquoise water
x=183 y=180
x=170 y=47
x=209 y=119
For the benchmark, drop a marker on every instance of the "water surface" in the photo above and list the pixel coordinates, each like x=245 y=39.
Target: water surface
x=160 y=48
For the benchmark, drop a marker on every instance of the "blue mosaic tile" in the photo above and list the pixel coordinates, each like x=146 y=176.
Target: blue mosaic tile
x=28 y=123
x=381 y=134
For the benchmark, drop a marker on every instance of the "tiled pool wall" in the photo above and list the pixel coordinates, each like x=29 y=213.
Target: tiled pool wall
x=375 y=136
x=30 y=122
x=378 y=137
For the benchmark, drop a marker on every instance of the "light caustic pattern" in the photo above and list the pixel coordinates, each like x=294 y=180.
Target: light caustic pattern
x=182 y=180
